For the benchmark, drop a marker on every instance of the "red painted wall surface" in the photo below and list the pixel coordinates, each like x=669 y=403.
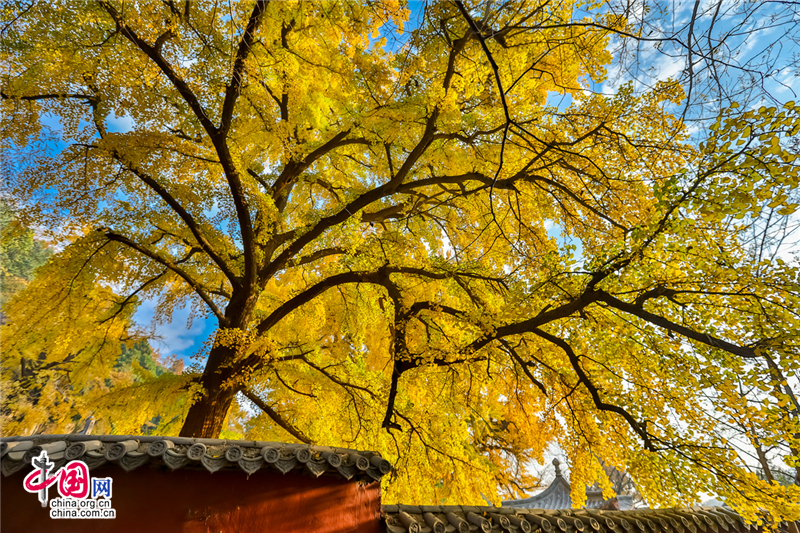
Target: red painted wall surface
x=155 y=499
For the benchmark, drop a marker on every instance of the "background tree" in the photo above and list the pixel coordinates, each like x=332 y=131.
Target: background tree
x=47 y=385
x=406 y=247
x=21 y=251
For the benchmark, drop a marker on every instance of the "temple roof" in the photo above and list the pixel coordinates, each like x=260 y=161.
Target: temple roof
x=130 y=452
x=557 y=495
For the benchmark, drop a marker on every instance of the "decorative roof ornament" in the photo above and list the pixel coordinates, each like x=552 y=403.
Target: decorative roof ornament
x=557 y=464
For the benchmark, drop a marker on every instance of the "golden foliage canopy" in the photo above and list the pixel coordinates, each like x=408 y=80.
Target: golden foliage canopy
x=406 y=245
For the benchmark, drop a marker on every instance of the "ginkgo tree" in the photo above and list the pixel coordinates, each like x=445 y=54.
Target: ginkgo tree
x=406 y=245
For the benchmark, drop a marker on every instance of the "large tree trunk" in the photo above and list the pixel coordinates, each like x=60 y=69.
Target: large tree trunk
x=207 y=414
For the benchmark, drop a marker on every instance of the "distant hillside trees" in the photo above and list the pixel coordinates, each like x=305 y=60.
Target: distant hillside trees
x=45 y=387
x=20 y=252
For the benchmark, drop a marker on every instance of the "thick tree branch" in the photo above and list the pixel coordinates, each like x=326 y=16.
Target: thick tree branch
x=377 y=193
x=375 y=277
x=151 y=52
x=283 y=102
x=392 y=211
x=583 y=378
x=416 y=307
x=509 y=184
x=527 y=326
x=356 y=205
x=259 y=178
x=282 y=187
x=401 y=361
x=165 y=195
x=704 y=338
x=237 y=79
x=316 y=256
x=187 y=218
x=46 y=96
x=193 y=283
x=217 y=137
x=275 y=417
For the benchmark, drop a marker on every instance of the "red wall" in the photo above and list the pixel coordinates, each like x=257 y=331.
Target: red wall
x=155 y=499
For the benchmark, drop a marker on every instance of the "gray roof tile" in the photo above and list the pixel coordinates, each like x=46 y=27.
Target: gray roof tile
x=557 y=495
x=131 y=452
x=470 y=519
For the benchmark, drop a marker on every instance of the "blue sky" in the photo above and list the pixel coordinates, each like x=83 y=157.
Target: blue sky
x=176 y=338
x=183 y=335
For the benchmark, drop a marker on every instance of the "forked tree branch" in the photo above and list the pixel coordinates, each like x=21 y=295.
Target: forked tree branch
x=151 y=52
x=193 y=283
x=369 y=276
x=373 y=195
x=165 y=195
x=128 y=298
x=334 y=379
x=217 y=136
x=283 y=185
x=583 y=378
x=703 y=338
x=187 y=218
x=516 y=357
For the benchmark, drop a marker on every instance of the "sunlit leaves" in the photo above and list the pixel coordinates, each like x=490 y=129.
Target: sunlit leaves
x=335 y=200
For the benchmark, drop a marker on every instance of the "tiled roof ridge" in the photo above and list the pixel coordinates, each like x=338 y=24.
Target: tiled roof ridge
x=467 y=519
x=133 y=451
x=77 y=437
x=555 y=496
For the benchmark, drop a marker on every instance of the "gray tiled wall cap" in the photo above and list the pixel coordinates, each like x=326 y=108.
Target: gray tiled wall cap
x=131 y=452
x=234 y=453
x=472 y=519
x=196 y=451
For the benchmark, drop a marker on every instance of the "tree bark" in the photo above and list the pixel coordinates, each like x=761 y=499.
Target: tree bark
x=207 y=414
x=762 y=459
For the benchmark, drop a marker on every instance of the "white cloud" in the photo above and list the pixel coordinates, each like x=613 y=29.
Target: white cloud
x=175 y=337
x=122 y=124
x=785 y=85
x=669 y=67
x=747 y=46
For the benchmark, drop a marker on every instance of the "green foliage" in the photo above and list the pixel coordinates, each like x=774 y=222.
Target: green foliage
x=142 y=354
x=21 y=253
